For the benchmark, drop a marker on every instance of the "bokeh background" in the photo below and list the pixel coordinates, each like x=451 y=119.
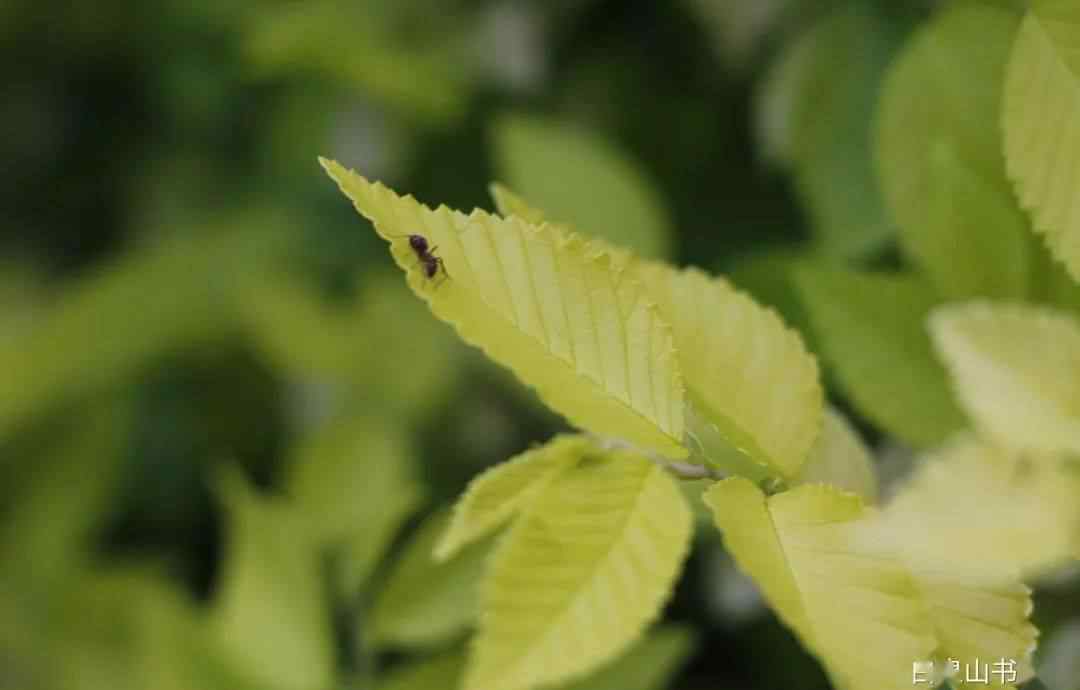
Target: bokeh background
x=227 y=430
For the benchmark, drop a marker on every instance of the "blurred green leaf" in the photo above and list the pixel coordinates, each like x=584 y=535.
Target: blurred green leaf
x=649 y=664
x=384 y=347
x=579 y=178
x=355 y=484
x=938 y=154
x=871 y=329
x=360 y=45
x=813 y=115
x=442 y=672
x=46 y=535
x=271 y=615
x=1040 y=114
x=425 y=602
x=105 y=327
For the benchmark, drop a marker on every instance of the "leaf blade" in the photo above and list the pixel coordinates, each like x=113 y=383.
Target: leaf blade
x=1016 y=370
x=549 y=306
x=1040 y=115
x=581 y=574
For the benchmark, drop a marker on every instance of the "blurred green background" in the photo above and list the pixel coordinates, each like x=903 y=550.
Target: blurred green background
x=227 y=430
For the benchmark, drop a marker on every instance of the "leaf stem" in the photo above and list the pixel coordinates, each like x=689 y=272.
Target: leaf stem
x=682 y=470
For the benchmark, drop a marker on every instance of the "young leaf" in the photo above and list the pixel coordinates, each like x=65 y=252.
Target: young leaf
x=548 y=305
x=814 y=115
x=426 y=602
x=355 y=484
x=851 y=604
x=840 y=458
x=882 y=357
x=580 y=179
x=1041 y=119
x=496 y=495
x=269 y=613
x=1016 y=369
x=580 y=574
x=939 y=154
x=748 y=374
x=984 y=514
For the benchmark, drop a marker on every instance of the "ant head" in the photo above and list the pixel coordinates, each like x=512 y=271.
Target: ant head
x=418 y=243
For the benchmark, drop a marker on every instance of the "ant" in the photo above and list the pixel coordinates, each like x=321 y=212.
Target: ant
x=426 y=255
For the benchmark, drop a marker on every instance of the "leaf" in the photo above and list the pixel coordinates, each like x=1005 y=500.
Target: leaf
x=426 y=602
x=939 y=155
x=984 y=514
x=496 y=495
x=648 y=665
x=852 y=605
x=269 y=611
x=813 y=114
x=747 y=373
x=149 y=302
x=580 y=179
x=840 y=458
x=580 y=574
x=976 y=241
x=355 y=485
x=547 y=305
x=1016 y=370
x=357 y=45
x=882 y=357
x=383 y=346
x=1040 y=117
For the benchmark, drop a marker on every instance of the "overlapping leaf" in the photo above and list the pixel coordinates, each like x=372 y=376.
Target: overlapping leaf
x=808 y=550
x=580 y=574
x=548 y=305
x=747 y=373
x=882 y=357
x=852 y=605
x=840 y=458
x=939 y=154
x=1041 y=121
x=492 y=498
x=984 y=514
x=1017 y=371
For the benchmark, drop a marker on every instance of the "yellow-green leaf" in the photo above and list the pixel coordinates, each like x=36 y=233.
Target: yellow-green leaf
x=548 y=305
x=270 y=614
x=851 y=604
x=580 y=574
x=496 y=495
x=939 y=154
x=882 y=357
x=355 y=485
x=1041 y=118
x=984 y=513
x=1016 y=369
x=747 y=373
x=840 y=458
x=580 y=179
x=426 y=602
